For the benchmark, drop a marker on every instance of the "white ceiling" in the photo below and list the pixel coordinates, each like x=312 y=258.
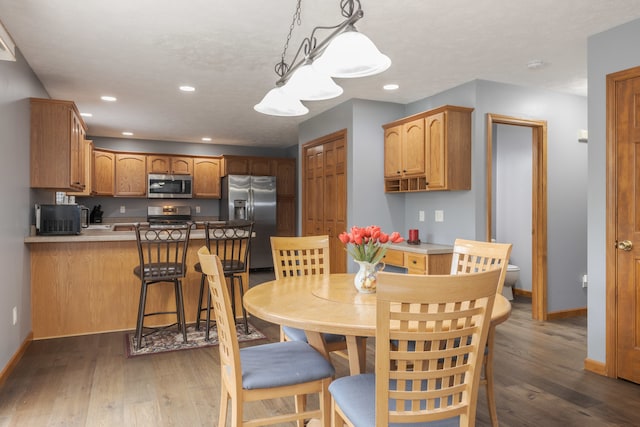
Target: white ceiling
x=141 y=50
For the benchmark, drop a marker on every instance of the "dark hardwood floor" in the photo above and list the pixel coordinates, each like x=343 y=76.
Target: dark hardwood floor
x=88 y=381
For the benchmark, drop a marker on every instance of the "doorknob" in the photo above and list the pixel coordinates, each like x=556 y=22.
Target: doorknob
x=625 y=245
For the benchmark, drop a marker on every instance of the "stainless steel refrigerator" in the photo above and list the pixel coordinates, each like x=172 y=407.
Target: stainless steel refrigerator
x=253 y=198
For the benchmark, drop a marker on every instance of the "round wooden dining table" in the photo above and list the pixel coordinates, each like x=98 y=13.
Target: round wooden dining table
x=330 y=304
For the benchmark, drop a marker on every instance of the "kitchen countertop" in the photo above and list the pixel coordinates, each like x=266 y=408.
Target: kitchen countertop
x=101 y=233
x=423 y=248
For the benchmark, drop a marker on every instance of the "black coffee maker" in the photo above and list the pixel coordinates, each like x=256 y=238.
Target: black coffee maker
x=95 y=217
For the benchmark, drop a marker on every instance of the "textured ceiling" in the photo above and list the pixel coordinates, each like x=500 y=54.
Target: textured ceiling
x=140 y=51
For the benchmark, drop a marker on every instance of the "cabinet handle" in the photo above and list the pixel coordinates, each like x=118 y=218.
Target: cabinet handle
x=414 y=262
x=404 y=171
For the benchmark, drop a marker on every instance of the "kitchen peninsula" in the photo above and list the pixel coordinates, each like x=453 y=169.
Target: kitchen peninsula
x=84 y=284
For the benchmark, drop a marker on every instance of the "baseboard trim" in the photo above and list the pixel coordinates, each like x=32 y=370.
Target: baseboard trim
x=15 y=359
x=574 y=312
x=595 y=367
x=522 y=292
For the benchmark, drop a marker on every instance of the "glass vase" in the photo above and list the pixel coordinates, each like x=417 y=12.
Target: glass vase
x=366 y=278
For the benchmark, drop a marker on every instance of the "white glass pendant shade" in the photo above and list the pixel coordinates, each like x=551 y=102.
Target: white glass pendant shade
x=352 y=54
x=308 y=84
x=277 y=102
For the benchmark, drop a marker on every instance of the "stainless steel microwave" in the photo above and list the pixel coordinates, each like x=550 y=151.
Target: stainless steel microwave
x=169 y=186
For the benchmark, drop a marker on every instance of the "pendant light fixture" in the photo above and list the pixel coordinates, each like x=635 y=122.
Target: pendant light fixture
x=345 y=53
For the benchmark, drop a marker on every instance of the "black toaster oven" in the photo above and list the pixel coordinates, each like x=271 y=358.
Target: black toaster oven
x=60 y=219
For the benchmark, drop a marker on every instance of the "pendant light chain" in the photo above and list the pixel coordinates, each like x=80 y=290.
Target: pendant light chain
x=282 y=67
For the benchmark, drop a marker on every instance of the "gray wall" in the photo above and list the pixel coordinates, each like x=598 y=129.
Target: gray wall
x=512 y=176
x=17 y=84
x=608 y=52
x=366 y=201
x=464 y=211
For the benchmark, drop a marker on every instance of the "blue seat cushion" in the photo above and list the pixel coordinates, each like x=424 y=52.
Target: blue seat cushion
x=282 y=363
x=356 y=396
x=295 y=334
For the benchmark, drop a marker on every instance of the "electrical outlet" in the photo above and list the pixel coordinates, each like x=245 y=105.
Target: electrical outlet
x=123 y=209
x=15 y=315
x=585 y=281
x=421 y=216
x=197 y=209
x=439 y=216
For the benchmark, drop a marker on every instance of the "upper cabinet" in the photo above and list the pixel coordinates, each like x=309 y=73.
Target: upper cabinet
x=87 y=160
x=104 y=164
x=131 y=175
x=429 y=151
x=57 y=145
x=206 y=177
x=170 y=165
x=248 y=165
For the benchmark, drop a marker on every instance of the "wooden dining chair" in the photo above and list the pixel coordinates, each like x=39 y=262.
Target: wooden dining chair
x=305 y=256
x=430 y=378
x=162 y=253
x=470 y=256
x=263 y=372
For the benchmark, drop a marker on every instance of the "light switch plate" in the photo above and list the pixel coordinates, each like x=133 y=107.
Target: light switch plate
x=439 y=216
x=421 y=216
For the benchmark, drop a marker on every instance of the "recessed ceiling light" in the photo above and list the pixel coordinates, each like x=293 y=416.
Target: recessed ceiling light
x=187 y=88
x=86 y=114
x=108 y=98
x=535 y=64
x=391 y=86
x=127 y=133
x=206 y=139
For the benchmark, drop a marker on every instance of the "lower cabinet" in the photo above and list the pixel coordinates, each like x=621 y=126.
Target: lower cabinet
x=419 y=263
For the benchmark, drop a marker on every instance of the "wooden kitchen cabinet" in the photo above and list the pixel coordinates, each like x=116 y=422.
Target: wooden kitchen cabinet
x=249 y=165
x=419 y=263
x=404 y=149
x=103 y=173
x=206 y=177
x=286 y=177
x=169 y=165
x=131 y=175
x=87 y=160
x=429 y=151
x=57 y=145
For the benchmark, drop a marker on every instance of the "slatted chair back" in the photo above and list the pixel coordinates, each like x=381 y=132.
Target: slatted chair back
x=430 y=375
x=471 y=256
x=300 y=256
x=221 y=304
x=162 y=252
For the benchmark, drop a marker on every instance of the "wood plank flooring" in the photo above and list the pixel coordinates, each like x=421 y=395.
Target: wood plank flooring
x=88 y=381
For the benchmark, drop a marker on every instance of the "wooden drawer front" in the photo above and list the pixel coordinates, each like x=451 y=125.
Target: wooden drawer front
x=415 y=263
x=393 y=257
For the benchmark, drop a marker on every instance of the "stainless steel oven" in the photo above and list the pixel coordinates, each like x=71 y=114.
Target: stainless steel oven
x=169 y=186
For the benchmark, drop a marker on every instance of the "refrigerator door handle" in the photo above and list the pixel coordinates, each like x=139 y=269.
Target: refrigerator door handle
x=250 y=207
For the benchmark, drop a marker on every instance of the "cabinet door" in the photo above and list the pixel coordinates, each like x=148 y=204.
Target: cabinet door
x=413 y=159
x=87 y=160
x=262 y=166
x=76 y=150
x=236 y=165
x=182 y=165
x=436 y=159
x=131 y=175
x=103 y=173
x=286 y=177
x=393 y=152
x=158 y=164
x=206 y=177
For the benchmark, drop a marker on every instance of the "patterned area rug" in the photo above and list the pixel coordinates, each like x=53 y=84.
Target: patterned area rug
x=171 y=340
